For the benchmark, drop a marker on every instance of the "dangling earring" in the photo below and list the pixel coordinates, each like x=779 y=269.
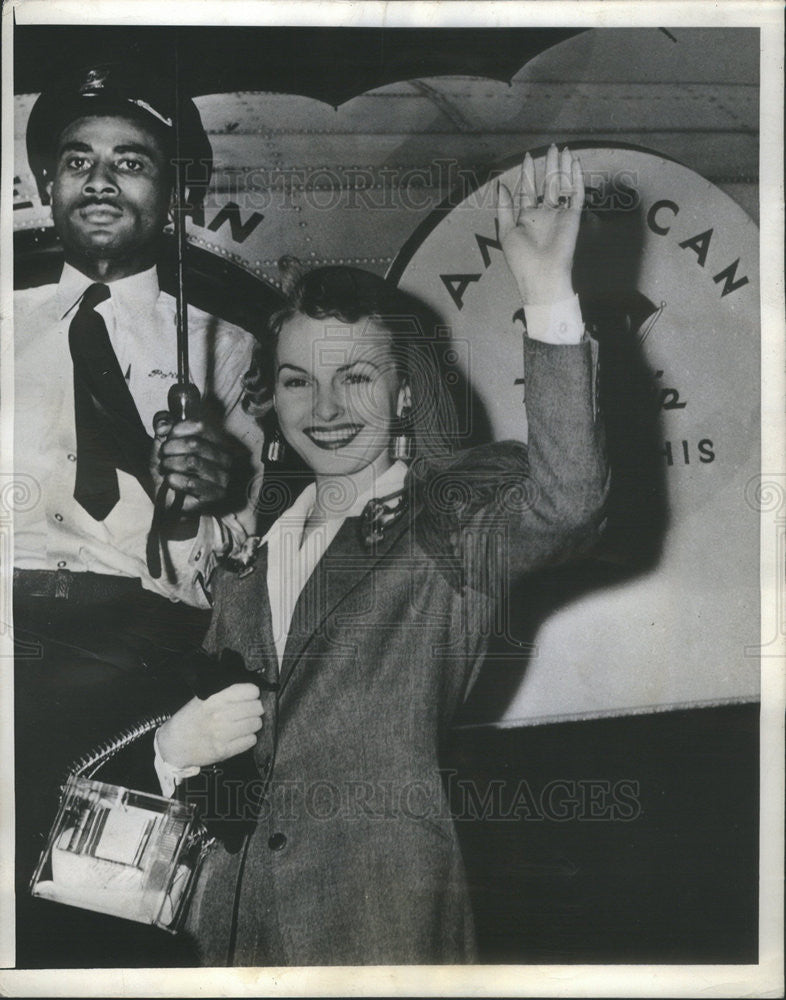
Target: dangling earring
x=402 y=445
x=276 y=447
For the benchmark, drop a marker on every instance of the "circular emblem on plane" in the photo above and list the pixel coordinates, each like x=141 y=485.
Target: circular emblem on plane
x=667 y=274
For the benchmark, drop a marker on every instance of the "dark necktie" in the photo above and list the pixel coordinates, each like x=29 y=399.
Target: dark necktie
x=109 y=431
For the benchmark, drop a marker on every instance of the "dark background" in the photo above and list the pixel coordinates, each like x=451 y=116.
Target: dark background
x=677 y=884
x=330 y=64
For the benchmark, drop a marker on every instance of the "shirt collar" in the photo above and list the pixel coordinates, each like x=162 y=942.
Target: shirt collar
x=294 y=517
x=135 y=293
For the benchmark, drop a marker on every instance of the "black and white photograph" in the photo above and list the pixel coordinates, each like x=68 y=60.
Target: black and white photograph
x=392 y=501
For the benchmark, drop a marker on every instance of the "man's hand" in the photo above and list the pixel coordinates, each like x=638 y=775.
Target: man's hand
x=206 y=732
x=193 y=457
x=539 y=226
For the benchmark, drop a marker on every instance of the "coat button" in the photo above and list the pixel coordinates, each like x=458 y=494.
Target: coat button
x=277 y=842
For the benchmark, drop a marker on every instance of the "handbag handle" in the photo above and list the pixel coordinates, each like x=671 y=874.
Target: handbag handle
x=87 y=765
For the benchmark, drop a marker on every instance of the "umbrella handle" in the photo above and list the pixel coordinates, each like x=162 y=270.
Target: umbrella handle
x=183 y=400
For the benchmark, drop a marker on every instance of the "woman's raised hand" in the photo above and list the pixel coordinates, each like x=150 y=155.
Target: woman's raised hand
x=539 y=224
x=205 y=732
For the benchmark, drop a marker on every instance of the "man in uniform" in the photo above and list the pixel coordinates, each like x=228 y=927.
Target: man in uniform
x=94 y=357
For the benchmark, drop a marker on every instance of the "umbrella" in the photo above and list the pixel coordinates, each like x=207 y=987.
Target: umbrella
x=329 y=64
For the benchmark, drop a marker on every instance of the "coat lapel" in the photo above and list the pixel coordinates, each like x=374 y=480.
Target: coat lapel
x=345 y=565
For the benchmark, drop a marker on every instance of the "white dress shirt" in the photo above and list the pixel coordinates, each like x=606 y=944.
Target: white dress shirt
x=52 y=530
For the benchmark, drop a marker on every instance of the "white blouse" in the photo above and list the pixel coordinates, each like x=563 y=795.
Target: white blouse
x=291 y=559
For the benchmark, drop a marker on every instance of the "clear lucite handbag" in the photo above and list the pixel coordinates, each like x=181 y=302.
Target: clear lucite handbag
x=117 y=851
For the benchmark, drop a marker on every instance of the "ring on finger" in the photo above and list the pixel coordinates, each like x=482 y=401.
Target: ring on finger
x=563 y=201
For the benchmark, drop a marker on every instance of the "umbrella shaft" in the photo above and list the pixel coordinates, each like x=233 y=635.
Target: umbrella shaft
x=182 y=305
x=180 y=228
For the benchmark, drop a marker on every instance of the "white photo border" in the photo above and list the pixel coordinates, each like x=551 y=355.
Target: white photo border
x=761 y=980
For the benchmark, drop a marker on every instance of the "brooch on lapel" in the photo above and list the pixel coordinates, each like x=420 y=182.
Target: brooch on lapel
x=245 y=561
x=380 y=514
